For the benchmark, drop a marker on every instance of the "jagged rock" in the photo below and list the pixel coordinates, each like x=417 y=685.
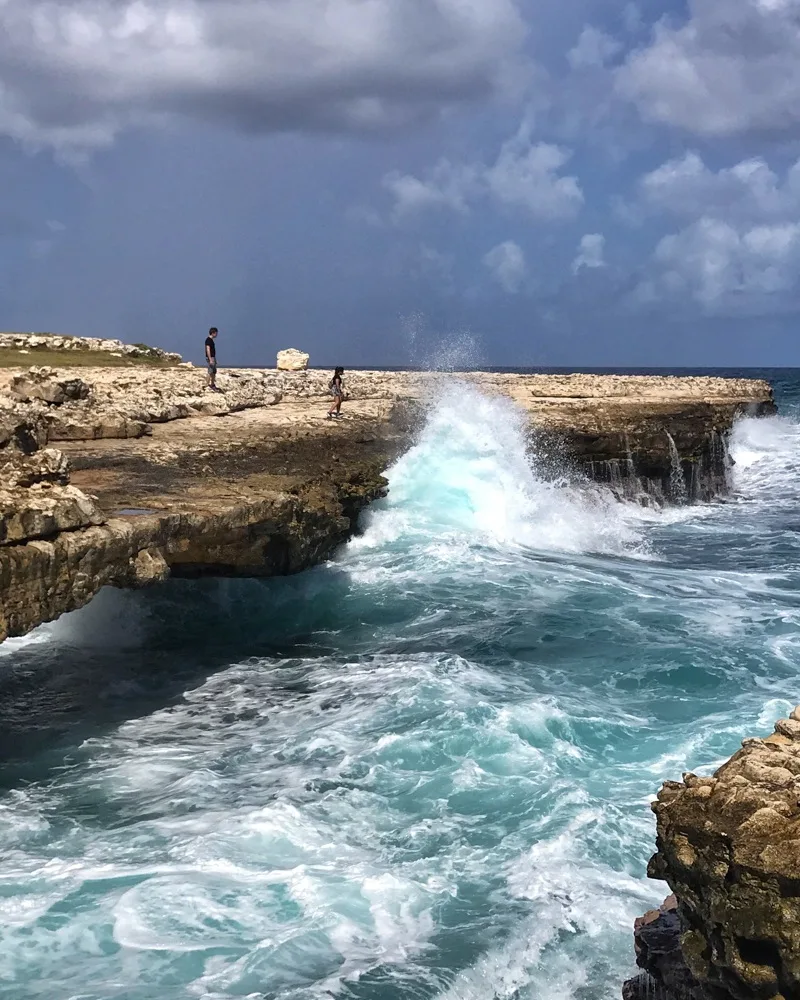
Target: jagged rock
x=43 y=383
x=43 y=512
x=729 y=847
x=87 y=424
x=47 y=465
x=22 y=429
x=292 y=360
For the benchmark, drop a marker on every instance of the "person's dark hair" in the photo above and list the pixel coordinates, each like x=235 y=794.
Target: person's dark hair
x=339 y=371
x=213 y=330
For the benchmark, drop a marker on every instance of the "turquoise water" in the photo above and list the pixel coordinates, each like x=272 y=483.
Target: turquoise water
x=421 y=771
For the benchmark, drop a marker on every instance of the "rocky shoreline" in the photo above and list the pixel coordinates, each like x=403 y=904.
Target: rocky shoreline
x=728 y=846
x=122 y=476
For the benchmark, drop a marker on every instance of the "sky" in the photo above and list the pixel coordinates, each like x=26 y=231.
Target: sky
x=389 y=182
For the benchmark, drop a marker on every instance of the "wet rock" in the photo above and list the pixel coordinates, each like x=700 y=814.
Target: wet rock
x=272 y=487
x=657 y=942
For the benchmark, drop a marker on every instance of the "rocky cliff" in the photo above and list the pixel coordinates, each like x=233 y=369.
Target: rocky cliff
x=729 y=848
x=122 y=476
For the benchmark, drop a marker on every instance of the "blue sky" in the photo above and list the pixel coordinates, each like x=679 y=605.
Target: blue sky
x=387 y=181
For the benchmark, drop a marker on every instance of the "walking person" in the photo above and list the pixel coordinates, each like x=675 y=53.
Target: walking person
x=336 y=387
x=211 y=359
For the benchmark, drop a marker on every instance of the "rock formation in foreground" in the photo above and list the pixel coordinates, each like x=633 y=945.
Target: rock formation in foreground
x=122 y=476
x=729 y=848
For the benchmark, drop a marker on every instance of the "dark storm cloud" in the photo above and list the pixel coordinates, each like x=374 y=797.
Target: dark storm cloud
x=76 y=72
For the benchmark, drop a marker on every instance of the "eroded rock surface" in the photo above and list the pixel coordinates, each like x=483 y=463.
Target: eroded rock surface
x=729 y=848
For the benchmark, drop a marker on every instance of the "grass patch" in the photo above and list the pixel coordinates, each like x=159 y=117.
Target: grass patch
x=11 y=358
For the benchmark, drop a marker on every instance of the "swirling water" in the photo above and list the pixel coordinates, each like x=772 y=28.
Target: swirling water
x=421 y=771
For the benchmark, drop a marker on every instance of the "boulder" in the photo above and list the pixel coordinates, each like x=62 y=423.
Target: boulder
x=44 y=384
x=292 y=360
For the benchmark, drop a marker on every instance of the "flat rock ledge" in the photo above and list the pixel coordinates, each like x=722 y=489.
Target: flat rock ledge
x=729 y=848
x=120 y=476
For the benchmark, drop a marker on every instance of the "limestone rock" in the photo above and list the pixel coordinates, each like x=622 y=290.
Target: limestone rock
x=292 y=360
x=47 y=465
x=44 y=512
x=729 y=847
x=22 y=429
x=44 y=383
x=89 y=424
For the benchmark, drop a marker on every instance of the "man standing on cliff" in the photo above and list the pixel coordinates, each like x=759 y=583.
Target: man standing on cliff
x=211 y=359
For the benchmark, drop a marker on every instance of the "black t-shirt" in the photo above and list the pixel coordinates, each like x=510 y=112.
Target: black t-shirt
x=211 y=349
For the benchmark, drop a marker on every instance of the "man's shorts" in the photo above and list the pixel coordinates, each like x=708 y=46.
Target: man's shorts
x=212 y=368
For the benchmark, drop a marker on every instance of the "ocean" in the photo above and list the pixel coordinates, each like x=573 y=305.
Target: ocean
x=422 y=770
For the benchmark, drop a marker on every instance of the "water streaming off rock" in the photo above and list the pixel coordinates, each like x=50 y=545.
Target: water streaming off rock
x=422 y=771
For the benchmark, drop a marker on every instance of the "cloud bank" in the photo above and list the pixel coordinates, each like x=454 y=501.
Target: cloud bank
x=73 y=73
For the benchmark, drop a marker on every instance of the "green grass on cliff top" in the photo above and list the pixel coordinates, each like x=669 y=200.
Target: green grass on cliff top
x=10 y=358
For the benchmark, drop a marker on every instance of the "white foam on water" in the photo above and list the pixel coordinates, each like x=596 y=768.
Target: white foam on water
x=470 y=481
x=766 y=452
x=259 y=863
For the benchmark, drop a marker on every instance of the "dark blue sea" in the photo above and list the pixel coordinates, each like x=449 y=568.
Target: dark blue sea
x=422 y=770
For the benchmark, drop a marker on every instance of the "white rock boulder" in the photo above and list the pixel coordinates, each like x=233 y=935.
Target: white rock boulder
x=292 y=360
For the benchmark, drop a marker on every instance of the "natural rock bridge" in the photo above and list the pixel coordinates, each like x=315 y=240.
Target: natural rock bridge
x=115 y=476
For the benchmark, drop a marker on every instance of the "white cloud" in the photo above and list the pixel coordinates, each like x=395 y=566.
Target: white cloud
x=719 y=265
x=740 y=246
x=76 y=72
x=748 y=190
x=507 y=265
x=448 y=186
x=591 y=252
x=731 y=68
x=525 y=175
x=593 y=49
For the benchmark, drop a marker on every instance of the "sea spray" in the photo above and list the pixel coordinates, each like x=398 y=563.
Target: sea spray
x=472 y=480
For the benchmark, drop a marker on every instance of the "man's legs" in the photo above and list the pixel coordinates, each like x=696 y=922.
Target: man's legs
x=211 y=378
